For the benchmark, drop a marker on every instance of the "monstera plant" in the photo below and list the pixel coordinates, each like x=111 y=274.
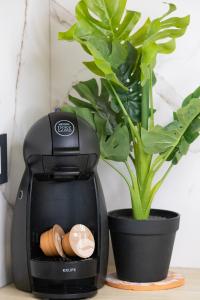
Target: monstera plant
x=118 y=102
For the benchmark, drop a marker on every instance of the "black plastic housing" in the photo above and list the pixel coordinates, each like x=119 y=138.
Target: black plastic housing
x=60 y=185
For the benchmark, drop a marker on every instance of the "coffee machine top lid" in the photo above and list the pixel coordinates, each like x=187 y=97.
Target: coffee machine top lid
x=60 y=134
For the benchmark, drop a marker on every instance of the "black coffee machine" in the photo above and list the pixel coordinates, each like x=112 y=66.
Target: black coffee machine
x=60 y=185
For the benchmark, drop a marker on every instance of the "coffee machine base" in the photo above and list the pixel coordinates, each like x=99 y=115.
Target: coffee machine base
x=66 y=296
x=58 y=278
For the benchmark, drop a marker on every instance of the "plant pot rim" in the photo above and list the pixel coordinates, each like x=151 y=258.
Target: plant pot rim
x=120 y=221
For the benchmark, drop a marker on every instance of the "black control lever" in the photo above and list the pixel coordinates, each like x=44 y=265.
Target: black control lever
x=3 y=158
x=66 y=172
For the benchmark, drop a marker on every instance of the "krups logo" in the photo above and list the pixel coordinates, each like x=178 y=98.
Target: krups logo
x=69 y=270
x=64 y=128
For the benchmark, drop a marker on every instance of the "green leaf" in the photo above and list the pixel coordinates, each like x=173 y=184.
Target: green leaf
x=138 y=38
x=80 y=103
x=68 y=35
x=109 y=56
x=108 y=16
x=67 y=108
x=129 y=75
x=171 y=9
x=159 y=139
x=195 y=94
x=132 y=98
x=174 y=139
x=101 y=26
x=97 y=99
x=130 y=20
x=151 y=39
x=117 y=146
x=93 y=68
x=102 y=17
x=110 y=12
x=99 y=124
x=97 y=108
x=82 y=112
x=193 y=130
x=179 y=151
x=86 y=114
x=87 y=90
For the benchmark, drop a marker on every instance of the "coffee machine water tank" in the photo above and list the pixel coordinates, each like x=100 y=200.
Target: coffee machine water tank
x=60 y=186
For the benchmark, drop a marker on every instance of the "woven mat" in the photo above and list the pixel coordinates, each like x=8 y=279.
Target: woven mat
x=173 y=280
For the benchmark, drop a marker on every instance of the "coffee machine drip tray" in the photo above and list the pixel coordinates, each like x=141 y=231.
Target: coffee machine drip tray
x=60 y=269
x=59 y=277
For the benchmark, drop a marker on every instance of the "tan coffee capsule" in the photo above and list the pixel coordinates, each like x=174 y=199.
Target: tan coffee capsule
x=79 y=242
x=51 y=241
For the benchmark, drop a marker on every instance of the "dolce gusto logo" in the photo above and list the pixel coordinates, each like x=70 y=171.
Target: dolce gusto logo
x=64 y=128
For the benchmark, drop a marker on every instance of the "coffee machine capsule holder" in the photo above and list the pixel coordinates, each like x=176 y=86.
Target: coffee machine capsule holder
x=60 y=185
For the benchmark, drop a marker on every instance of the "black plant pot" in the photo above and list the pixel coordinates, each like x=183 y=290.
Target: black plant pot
x=142 y=249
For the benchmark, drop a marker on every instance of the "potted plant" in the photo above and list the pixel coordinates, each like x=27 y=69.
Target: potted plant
x=120 y=107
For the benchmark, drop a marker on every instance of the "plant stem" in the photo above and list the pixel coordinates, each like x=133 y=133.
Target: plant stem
x=155 y=189
x=132 y=159
x=119 y=172
x=132 y=175
x=143 y=159
x=145 y=105
x=165 y=174
x=135 y=195
x=151 y=101
x=160 y=160
x=146 y=188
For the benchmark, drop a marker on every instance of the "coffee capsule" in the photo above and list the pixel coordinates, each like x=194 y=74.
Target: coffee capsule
x=51 y=241
x=79 y=241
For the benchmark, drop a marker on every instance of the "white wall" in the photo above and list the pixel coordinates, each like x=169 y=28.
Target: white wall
x=37 y=71
x=24 y=96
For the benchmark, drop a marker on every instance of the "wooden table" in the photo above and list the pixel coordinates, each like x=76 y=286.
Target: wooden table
x=191 y=291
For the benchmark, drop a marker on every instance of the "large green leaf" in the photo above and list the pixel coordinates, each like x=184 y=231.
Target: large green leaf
x=174 y=139
x=100 y=23
x=108 y=56
x=129 y=74
x=117 y=146
x=193 y=130
x=109 y=12
x=102 y=17
x=130 y=78
x=195 y=94
x=98 y=100
x=101 y=26
x=96 y=107
x=158 y=36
